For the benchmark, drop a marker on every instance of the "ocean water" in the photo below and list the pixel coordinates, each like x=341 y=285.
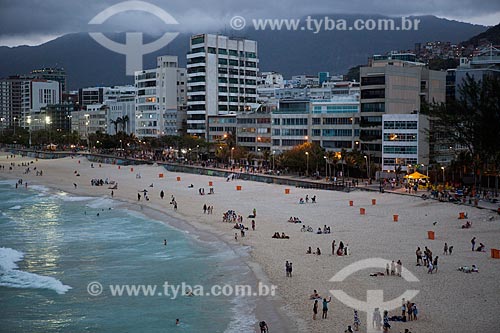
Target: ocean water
x=52 y=245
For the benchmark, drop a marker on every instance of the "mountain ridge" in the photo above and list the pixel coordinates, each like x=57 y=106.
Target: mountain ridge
x=89 y=64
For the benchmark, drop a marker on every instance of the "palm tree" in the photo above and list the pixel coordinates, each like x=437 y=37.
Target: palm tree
x=115 y=124
x=125 y=121
x=119 y=121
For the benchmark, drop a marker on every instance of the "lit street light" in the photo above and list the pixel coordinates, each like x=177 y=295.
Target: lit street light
x=274 y=152
x=47 y=123
x=29 y=128
x=367 y=158
x=232 y=150
x=326 y=167
x=307 y=159
x=444 y=180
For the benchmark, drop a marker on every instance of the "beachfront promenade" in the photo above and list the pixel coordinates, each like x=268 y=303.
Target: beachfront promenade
x=346 y=184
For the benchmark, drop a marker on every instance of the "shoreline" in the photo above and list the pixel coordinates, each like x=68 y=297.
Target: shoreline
x=373 y=234
x=268 y=307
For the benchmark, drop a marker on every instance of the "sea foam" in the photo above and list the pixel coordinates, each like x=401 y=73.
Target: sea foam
x=11 y=277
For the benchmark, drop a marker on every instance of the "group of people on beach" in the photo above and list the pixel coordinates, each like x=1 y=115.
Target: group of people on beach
x=394 y=268
x=208 y=209
x=302 y=201
x=309 y=251
x=342 y=250
x=282 y=236
x=426 y=259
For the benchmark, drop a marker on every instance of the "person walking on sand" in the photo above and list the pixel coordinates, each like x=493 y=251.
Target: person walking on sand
x=387 y=326
x=333 y=247
x=445 y=250
x=435 y=263
x=315 y=309
x=287 y=268
x=162 y=194
x=473 y=242
x=325 y=307
x=254 y=212
x=204 y=208
x=290 y=269
x=253 y=225
x=357 y=322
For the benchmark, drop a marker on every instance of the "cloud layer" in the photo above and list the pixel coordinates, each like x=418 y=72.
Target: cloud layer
x=20 y=19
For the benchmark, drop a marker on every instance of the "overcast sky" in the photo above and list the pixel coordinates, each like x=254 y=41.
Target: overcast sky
x=33 y=22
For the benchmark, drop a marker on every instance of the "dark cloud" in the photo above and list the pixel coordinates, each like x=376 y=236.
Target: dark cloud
x=56 y=17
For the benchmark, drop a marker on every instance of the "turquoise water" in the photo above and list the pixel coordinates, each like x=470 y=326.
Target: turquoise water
x=53 y=245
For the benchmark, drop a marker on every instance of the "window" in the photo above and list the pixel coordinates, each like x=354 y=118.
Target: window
x=373 y=107
x=337 y=132
x=198 y=40
x=372 y=93
x=403 y=150
x=372 y=80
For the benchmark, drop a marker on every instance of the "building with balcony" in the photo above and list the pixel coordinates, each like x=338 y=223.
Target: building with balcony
x=334 y=122
x=404 y=142
x=222 y=79
x=253 y=130
x=394 y=84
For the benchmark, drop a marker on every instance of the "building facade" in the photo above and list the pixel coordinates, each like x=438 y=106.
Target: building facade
x=394 y=86
x=222 y=79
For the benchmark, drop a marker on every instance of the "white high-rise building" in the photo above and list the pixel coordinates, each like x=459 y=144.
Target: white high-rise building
x=172 y=94
x=147 y=122
x=160 y=99
x=222 y=79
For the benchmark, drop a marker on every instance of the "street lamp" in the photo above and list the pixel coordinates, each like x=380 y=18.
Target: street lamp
x=232 y=150
x=367 y=159
x=87 y=122
x=2 y=120
x=274 y=152
x=426 y=169
x=15 y=126
x=47 y=123
x=121 y=145
x=326 y=166
x=29 y=128
x=307 y=164
x=444 y=180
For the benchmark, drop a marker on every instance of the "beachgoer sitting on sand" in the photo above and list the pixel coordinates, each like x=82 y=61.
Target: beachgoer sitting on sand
x=309 y=250
x=313 y=199
x=191 y=186
x=377 y=274
x=467 y=225
x=303 y=229
x=319 y=231
x=340 y=252
x=467 y=269
x=481 y=248
x=276 y=235
x=291 y=219
x=315 y=295
x=318 y=251
x=284 y=236
x=301 y=201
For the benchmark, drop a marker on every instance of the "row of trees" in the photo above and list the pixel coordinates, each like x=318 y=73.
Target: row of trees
x=470 y=126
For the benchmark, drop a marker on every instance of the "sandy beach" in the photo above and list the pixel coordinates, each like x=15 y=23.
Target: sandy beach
x=448 y=300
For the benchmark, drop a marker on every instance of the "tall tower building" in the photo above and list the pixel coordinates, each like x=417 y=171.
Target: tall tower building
x=222 y=79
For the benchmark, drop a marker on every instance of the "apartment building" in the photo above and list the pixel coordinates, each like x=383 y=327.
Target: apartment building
x=222 y=79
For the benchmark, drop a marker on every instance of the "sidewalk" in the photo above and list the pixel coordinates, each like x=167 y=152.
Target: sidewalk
x=483 y=204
